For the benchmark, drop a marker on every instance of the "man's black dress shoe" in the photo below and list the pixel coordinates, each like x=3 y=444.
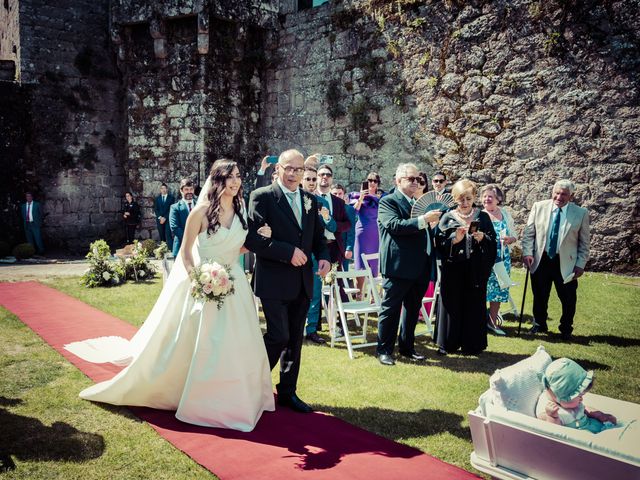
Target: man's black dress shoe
x=386 y=359
x=538 y=329
x=413 y=355
x=294 y=403
x=565 y=336
x=315 y=338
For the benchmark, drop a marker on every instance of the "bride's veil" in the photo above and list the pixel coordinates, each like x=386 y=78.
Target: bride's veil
x=168 y=307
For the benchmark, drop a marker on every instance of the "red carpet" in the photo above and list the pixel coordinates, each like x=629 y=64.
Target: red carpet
x=285 y=444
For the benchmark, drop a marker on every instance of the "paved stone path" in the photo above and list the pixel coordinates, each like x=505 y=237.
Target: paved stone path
x=35 y=271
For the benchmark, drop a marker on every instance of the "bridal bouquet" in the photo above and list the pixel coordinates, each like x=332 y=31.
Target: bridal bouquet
x=211 y=282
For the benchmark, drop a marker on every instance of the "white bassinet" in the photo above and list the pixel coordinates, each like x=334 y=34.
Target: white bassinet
x=511 y=443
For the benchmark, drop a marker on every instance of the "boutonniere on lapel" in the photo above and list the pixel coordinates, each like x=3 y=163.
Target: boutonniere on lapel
x=307 y=204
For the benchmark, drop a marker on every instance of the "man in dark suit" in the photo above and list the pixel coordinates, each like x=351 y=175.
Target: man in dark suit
x=179 y=212
x=335 y=241
x=405 y=261
x=32 y=221
x=161 y=208
x=555 y=248
x=283 y=277
x=350 y=235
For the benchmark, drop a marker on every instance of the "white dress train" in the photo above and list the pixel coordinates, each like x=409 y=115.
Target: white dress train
x=209 y=365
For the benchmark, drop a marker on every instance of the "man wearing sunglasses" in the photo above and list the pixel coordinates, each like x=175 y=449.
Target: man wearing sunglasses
x=309 y=183
x=439 y=182
x=405 y=264
x=335 y=241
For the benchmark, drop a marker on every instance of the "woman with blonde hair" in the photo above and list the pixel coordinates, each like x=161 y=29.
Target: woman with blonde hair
x=466 y=242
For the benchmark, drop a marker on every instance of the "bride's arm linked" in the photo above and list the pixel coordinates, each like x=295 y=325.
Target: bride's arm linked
x=264 y=230
x=191 y=231
x=270 y=248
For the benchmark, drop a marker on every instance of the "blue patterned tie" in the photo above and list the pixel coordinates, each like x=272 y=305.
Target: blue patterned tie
x=555 y=230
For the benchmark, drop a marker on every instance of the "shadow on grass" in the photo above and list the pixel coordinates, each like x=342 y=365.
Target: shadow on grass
x=397 y=425
x=27 y=438
x=585 y=340
x=486 y=362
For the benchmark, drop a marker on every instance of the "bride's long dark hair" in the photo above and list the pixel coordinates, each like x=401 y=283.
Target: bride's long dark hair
x=220 y=171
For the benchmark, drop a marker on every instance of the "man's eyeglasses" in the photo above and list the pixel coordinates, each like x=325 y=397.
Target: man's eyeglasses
x=438 y=180
x=325 y=174
x=290 y=170
x=413 y=179
x=373 y=180
x=307 y=179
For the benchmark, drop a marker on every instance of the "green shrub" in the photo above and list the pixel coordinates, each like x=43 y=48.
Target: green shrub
x=5 y=249
x=138 y=267
x=103 y=271
x=24 y=250
x=149 y=245
x=161 y=251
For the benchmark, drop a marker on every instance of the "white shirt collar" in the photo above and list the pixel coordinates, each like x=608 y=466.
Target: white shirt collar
x=409 y=199
x=562 y=210
x=285 y=189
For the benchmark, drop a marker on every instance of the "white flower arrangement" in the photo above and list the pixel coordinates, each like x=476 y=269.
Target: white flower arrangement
x=330 y=277
x=211 y=282
x=307 y=204
x=106 y=275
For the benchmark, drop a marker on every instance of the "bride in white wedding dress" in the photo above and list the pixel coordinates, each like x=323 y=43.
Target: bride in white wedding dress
x=208 y=364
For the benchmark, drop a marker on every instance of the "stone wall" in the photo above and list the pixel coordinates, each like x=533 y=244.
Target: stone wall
x=67 y=128
x=518 y=92
x=9 y=40
x=515 y=92
x=193 y=79
x=337 y=90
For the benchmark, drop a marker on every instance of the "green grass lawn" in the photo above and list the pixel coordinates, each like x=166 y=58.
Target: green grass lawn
x=51 y=433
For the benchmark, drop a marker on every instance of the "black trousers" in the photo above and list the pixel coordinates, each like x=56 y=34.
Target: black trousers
x=165 y=233
x=548 y=273
x=399 y=292
x=285 y=331
x=131 y=232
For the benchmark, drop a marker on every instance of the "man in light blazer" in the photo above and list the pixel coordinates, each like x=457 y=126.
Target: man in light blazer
x=555 y=248
x=179 y=212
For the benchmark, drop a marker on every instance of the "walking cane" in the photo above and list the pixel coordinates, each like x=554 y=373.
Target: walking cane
x=524 y=295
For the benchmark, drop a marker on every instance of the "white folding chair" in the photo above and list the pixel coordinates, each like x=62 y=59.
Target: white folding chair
x=354 y=308
x=350 y=291
x=432 y=300
x=366 y=258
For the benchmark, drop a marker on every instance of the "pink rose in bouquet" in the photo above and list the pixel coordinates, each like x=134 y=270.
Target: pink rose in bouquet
x=211 y=282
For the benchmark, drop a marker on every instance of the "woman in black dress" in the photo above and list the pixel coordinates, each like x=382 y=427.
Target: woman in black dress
x=466 y=242
x=131 y=216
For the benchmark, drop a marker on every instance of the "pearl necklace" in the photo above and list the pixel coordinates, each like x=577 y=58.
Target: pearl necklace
x=495 y=213
x=467 y=216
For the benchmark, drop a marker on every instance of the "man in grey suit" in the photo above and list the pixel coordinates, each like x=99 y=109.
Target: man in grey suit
x=555 y=248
